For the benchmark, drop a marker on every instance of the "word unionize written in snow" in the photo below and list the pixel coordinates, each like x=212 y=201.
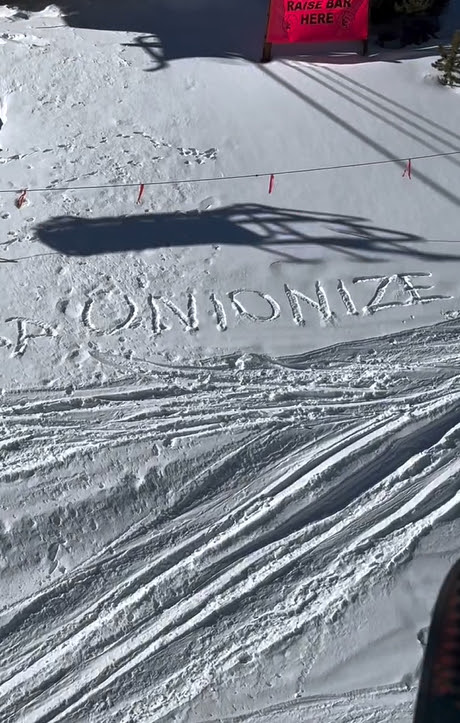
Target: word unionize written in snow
x=162 y=310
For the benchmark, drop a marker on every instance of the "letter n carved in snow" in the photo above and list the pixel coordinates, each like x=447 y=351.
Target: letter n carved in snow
x=321 y=305
x=189 y=319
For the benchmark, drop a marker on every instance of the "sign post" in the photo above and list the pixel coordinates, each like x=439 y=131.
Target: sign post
x=365 y=48
x=267 y=51
x=316 y=21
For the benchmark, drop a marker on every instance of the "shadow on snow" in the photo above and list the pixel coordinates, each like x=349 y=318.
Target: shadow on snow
x=289 y=235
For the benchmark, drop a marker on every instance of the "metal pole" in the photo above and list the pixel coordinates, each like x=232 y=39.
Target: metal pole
x=267 y=49
x=365 y=48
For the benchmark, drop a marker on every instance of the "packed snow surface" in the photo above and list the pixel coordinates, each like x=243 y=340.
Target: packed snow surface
x=230 y=470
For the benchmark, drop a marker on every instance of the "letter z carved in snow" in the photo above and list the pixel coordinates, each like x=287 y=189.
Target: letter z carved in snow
x=405 y=283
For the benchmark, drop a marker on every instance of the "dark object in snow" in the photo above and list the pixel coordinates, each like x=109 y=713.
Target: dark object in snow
x=1 y=124
x=439 y=690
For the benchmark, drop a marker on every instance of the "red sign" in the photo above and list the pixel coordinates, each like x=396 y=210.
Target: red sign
x=315 y=21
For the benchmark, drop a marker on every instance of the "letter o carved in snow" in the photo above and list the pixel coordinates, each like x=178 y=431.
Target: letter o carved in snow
x=275 y=308
x=124 y=324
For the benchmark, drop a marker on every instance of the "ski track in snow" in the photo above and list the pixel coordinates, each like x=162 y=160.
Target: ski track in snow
x=376 y=704
x=289 y=487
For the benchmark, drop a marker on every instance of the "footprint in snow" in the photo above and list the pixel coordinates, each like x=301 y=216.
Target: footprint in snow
x=198 y=156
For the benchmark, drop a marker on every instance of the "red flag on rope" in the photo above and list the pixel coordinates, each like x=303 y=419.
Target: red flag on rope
x=141 y=193
x=408 y=169
x=20 y=201
x=271 y=183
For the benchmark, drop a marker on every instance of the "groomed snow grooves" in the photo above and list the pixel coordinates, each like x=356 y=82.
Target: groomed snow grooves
x=283 y=489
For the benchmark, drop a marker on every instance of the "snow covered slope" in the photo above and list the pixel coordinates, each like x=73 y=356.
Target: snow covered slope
x=229 y=478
